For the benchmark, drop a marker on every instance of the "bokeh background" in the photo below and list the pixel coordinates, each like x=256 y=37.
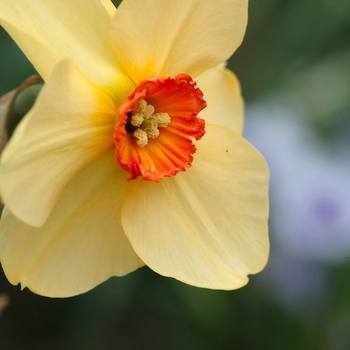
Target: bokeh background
x=294 y=67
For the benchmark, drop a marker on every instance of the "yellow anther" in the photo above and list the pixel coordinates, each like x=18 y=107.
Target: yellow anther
x=147 y=122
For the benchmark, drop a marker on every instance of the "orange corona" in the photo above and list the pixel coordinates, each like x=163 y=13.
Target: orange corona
x=157 y=125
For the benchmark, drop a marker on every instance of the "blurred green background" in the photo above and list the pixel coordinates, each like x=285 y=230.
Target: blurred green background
x=294 y=68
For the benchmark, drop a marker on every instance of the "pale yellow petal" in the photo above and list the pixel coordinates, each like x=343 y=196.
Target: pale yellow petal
x=47 y=31
x=222 y=92
x=165 y=38
x=109 y=6
x=81 y=244
x=208 y=226
x=70 y=125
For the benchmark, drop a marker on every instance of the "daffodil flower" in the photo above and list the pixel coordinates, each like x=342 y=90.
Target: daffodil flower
x=132 y=153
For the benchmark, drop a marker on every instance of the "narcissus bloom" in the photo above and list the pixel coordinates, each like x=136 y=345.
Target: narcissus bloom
x=132 y=153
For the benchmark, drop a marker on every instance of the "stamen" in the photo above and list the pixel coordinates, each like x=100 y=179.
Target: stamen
x=146 y=122
x=142 y=138
x=137 y=119
x=151 y=128
x=162 y=119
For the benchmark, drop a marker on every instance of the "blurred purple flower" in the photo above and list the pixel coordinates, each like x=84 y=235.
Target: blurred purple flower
x=310 y=190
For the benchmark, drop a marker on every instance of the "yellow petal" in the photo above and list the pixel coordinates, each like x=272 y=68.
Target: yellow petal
x=70 y=125
x=208 y=226
x=47 y=31
x=81 y=244
x=158 y=37
x=109 y=6
x=222 y=93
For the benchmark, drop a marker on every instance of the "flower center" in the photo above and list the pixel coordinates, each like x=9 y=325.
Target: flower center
x=143 y=122
x=157 y=126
